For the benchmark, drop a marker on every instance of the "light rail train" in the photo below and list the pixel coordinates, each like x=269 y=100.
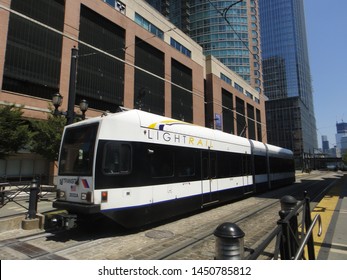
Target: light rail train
x=137 y=168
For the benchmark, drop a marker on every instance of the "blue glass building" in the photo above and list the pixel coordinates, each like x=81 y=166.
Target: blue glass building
x=286 y=73
x=341 y=138
x=228 y=30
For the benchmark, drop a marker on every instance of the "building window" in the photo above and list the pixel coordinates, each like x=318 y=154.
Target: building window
x=149 y=26
x=33 y=52
x=240 y=117
x=182 y=99
x=180 y=48
x=250 y=121
x=228 y=111
x=100 y=78
x=238 y=87
x=149 y=90
x=259 y=132
x=119 y=6
x=250 y=95
x=225 y=78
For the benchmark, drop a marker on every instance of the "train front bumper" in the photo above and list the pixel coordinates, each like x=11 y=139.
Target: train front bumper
x=78 y=208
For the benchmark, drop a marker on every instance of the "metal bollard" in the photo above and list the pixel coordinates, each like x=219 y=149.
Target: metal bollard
x=289 y=245
x=288 y=203
x=2 y=195
x=229 y=242
x=33 y=198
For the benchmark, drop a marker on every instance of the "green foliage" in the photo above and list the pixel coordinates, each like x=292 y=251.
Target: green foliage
x=344 y=158
x=47 y=136
x=40 y=136
x=14 y=130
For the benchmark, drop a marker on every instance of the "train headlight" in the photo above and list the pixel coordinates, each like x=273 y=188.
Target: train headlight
x=86 y=196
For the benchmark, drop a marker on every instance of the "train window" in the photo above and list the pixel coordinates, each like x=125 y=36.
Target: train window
x=247 y=166
x=185 y=163
x=205 y=168
x=213 y=165
x=77 y=152
x=278 y=165
x=260 y=164
x=117 y=158
x=224 y=165
x=236 y=164
x=162 y=162
x=209 y=164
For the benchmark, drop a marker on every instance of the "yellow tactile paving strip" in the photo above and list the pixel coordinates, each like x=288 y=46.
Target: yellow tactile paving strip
x=326 y=208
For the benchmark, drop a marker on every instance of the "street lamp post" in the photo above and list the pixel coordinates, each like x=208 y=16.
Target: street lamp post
x=57 y=99
x=72 y=86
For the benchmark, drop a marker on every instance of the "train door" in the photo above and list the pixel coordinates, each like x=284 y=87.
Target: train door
x=209 y=184
x=247 y=171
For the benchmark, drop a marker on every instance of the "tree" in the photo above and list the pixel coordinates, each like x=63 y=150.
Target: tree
x=47 y=136
x=344 y=158
x=14 y=130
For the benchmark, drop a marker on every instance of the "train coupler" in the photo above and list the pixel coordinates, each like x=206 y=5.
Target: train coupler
x=64 y=220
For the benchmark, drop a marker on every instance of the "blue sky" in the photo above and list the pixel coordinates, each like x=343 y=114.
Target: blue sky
x=326 y=27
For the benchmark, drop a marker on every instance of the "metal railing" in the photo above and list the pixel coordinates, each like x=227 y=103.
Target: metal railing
x=24 y=194
x=291 y=238
x=13 y=192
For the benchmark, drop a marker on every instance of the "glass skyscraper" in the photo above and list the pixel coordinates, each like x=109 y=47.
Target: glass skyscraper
x=178 y=12
x=228 y=30
x=286 y=73
x=341 y=138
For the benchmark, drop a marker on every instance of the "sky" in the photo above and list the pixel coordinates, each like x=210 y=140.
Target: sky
x=326 y=29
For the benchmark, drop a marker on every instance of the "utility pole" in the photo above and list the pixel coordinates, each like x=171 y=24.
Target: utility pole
x=72 y=86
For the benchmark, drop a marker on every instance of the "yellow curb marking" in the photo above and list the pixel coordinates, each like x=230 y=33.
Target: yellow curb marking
x=325 y=208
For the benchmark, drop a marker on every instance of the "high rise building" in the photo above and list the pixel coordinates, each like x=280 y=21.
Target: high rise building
x=286 y=72
x=341 y=138
x=228 y=30
x=178 y=12
x=325 y=144
x=341 y=127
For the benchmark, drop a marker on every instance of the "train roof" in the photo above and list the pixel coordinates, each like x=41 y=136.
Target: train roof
x=152 y=121
x=261 y=148
x=128 y=120
x=275 y=150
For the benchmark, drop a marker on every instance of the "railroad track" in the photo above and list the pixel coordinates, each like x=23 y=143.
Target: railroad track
x=256 y=223
x=189 y=237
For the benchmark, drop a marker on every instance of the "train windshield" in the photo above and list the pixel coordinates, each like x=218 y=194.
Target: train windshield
x=77 y=151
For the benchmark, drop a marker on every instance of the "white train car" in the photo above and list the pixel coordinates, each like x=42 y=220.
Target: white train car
x=136 y=167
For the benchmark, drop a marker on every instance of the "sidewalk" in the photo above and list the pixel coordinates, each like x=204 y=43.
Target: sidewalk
x=12 y=213
x=333 y=210
x=338 y=250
